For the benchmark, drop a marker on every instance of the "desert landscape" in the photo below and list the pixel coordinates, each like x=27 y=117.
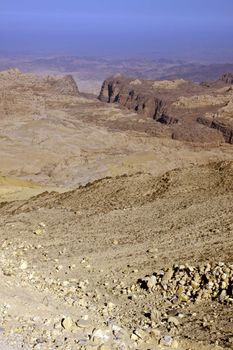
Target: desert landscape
x=116 y=213
x=116 y=175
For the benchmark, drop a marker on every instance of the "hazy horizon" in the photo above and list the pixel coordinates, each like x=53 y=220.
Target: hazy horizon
x=168 y=28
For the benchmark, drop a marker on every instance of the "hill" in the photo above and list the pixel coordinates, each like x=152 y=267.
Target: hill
x=73 y=252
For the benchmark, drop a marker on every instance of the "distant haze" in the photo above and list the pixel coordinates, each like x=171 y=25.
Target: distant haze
x=193 y=29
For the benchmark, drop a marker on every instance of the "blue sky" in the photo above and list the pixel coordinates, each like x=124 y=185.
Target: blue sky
x=129 y=27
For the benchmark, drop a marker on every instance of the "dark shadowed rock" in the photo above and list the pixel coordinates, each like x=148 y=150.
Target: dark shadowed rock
x=226 y=130
x=178 y=104
x=136 y=95
x=227 y=78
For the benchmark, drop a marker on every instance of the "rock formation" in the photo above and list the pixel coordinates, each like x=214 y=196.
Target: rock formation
x=213 y=123
x=113 y=236
x=64 y=85
x=180 y=104
x=13 y=78
x=136 y=95
x=227 y=78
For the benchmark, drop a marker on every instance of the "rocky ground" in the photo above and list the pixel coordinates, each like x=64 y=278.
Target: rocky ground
x=112 y=235
x=70 y=278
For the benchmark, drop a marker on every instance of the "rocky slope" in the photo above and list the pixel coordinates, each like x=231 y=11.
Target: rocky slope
x=127 y=240
x=180 y=104
x=133 y=262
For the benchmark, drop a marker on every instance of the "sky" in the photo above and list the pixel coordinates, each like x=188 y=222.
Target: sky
x=166 y=28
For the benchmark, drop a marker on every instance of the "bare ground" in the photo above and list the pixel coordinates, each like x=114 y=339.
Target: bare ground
x=113 y=233
x=70 y=263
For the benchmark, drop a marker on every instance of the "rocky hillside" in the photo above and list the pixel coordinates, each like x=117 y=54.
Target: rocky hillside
x=127 y=191
x=114 y=235
x=128 y=262
x=15 y=79
x=180 y=104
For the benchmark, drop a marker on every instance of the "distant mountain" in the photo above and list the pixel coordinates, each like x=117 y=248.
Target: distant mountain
x=197 y=72
x=98 y=69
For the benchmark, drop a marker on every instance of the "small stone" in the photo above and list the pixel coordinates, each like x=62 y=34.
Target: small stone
x=141 y=334
x=83 y=323
x=104 y=335
x=155 y=316
x=39 y=231
x=110 y=306
x=151 y=283
x=91 y=347
x=134 y=337
x=173 y=320
x=57 y=325
x=104 y=347
x=166 y=341
x=67 y=323
x=72 y=267
x=183 y=297
x=224 y=285
x=152 y=250
x=155 y=334
x=195 y=284
x=175 y=344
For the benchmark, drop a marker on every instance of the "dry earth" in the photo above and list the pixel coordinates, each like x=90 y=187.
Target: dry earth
x=54 y=137
x=139 y=257
x=70 y=256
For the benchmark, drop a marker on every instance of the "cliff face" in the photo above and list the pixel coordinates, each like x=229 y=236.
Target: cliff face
x=226 y=130
x=137 y=96
x=189 y=109
x=227 y=78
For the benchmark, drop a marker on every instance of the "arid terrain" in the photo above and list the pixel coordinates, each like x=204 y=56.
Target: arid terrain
x=182 y=105
x=116 y=225
x=90 y=72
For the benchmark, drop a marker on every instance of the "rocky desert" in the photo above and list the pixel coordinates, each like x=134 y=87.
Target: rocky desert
x=116 y=225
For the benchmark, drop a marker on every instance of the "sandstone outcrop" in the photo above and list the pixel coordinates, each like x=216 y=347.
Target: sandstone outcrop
x=189 y=109
x=136 y=95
